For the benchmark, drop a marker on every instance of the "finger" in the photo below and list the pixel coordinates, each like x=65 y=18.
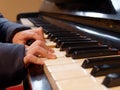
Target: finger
x=41 y=44
x=36 y=60
x=36 y=36
x=40 y=51
x=45 y=53
x=32 y=35
x=20 y=42
x=51 y=50
x=46 y=47
x=33 y=59
x=40 y=32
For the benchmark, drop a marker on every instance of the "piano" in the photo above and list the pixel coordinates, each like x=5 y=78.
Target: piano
x=85 y=35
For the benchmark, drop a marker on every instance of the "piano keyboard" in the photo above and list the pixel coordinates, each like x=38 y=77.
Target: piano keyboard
x=81 y=63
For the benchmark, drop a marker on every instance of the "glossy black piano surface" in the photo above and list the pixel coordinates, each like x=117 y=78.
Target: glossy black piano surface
x=84 y=29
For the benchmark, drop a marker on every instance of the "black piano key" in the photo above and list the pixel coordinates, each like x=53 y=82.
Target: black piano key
x=70 y=50
x=56 y=33
x=65 y=38
x=52 y=38
x=55 y=29
x=105 y=69
x=90 y=62
x=70 y=39
x=59 y=42
x=65 y=45
x=73 y=37
x=93 y=53
x=56 y=37
x=49 y=29
x=112 y=80
x=37 y=21
x=29 y=42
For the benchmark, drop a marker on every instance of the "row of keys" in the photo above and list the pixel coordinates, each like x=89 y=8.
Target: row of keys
x=103 y=60
x=77 y=46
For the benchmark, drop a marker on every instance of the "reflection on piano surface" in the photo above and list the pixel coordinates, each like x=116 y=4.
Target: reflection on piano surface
x=86 y=43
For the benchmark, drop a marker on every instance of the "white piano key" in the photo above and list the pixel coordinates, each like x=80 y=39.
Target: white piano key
x=63 y=67
x=62 y=75
x=26 y=22
x=58 y=61
x=51 y=44
x=83 y=83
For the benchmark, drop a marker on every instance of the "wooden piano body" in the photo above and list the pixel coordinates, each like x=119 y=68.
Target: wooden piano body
x=69 y=73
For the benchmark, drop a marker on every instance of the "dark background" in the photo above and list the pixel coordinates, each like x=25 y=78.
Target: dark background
x=102 y=6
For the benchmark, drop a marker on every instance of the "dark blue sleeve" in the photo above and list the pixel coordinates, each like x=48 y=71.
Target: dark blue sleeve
x=12 y=68
x=8 y=29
